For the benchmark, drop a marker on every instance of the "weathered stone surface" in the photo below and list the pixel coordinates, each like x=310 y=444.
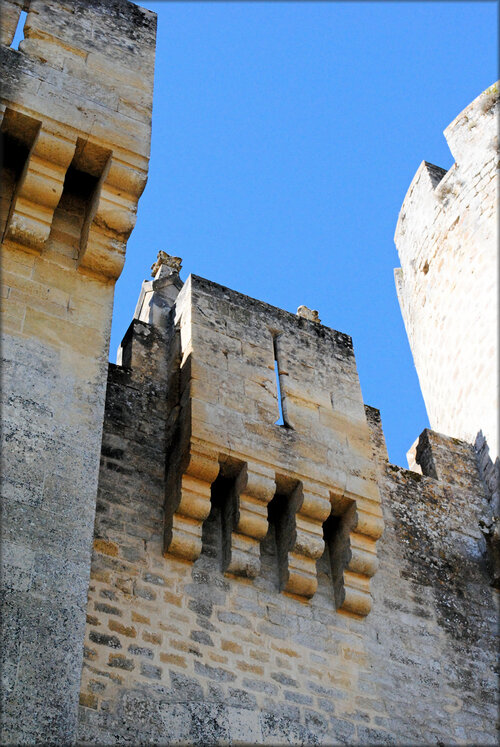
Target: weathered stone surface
x=229 y=583
x=447 y=240
x=76 y=131
x=315 y=464
x=235 y=660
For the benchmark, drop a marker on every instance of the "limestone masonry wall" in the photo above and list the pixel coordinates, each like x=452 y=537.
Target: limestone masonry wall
x=447 y=240
x=318 y=461
x=184 y=651
x=241 y=587
x=75 y=125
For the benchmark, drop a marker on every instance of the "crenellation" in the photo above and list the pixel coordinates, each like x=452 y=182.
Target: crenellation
x=447 y=226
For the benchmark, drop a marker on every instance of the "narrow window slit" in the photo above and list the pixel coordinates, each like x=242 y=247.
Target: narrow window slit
x=280 y=420
x=19 y=33
x=281 y=401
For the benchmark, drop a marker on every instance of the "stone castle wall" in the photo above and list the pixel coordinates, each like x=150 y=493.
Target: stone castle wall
x=182 y=651
x=75 y=125
x=241 y=589
x=447 y=240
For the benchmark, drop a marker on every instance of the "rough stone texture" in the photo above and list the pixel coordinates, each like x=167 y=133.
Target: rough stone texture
x=317 y=463
x=75 y=123
x=490 y=519
x=447 y=240
x=229 y=598
x=181 y=651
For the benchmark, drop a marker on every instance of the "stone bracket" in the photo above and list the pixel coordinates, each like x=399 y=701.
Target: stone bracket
x=304 y=516
x=245 y=520
x=39 y=189
x=188 y=502
x=111 y=210
x=299 y=536
x=353 y=555
x=110 y=219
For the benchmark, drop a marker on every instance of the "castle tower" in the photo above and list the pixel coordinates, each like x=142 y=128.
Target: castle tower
x=447 y=240
x=75 y=124
x=246 y=594
x=260 y=573
x=241 y=362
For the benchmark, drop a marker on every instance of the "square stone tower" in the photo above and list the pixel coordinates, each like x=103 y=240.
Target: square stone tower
x=75 y=115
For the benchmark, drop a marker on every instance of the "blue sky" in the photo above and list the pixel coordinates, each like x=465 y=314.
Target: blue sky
x=285 y=136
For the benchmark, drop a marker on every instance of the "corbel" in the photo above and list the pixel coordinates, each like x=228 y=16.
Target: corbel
x=39 y=189
x=245 y=520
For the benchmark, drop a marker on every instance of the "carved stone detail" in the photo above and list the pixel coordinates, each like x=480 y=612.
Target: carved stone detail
x=353 y=554
x=110 y=220
x=245 y=520
x=39 y=189
x=306 y=313
x=188 y=502
x=165 y=261
x=299 y=536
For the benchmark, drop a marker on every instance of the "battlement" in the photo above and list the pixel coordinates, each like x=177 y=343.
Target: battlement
x=473 y=141
x=76 y=116
x=446 y=238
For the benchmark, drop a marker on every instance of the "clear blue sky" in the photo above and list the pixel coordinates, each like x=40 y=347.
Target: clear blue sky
x=285 y=136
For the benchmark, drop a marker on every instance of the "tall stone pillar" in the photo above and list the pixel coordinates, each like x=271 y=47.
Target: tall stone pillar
x=75 y=122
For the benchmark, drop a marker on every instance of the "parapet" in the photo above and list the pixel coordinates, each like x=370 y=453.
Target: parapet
x=446 y=237
x=473 y=140
x=76 y=117
x=311 y=472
